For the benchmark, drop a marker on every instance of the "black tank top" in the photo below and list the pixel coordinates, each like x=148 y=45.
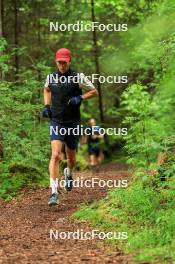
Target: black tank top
x=61 y=92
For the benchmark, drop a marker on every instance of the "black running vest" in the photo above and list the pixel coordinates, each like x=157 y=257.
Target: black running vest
x=61 y=92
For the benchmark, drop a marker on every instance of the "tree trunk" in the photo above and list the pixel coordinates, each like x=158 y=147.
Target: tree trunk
x=16 y=38
x=97 y=68
x=1 y=27
x=1 y=18
x=39 y=53
x=1 y=147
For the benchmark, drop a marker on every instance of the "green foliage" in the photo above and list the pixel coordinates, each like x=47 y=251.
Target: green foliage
x=24 y=136
x=15 y=176
x=145 y=208
x=144 y=133
x=4 y=56
x=145 y=214
x=81 y=160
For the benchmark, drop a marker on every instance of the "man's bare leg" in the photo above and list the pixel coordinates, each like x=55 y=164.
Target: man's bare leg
x=56 y=146
x=93 y=160
x=71 y=160
x=100 y=157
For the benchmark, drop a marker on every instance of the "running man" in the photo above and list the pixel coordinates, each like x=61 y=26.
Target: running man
x=95 y=153
x=62 y=99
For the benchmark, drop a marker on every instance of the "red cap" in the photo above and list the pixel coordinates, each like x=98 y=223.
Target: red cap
x=63 y=55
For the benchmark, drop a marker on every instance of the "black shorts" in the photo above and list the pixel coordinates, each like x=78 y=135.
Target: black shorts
x=94 y=150
x=57 y=132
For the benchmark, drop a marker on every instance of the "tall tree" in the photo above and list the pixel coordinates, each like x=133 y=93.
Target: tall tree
x=16 y=37
x=1 y=35
x=1 y=18
x=96 y=58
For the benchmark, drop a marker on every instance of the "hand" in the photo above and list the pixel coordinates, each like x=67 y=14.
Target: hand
x=47 y=111
x=76 y=100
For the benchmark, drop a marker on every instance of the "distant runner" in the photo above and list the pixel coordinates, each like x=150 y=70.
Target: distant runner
x=62 y=99
x=95 y=153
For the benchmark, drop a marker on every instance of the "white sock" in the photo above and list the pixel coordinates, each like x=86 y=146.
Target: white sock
x=69 y=171
x=54 y=185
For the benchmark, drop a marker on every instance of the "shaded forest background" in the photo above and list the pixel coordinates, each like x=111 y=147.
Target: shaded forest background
x=145 y=105
x=145 y=53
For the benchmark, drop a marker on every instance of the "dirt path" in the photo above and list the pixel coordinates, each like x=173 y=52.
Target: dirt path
x=26 y=221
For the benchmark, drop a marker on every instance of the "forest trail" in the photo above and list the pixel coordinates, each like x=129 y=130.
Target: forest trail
x=25 y=225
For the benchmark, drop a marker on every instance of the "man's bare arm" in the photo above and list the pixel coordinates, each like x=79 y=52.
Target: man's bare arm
x=47 y=96
x=90 y=94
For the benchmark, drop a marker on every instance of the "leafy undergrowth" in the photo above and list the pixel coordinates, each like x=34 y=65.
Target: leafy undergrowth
x=82 y=158
x=16 y=176
x=147 y=215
